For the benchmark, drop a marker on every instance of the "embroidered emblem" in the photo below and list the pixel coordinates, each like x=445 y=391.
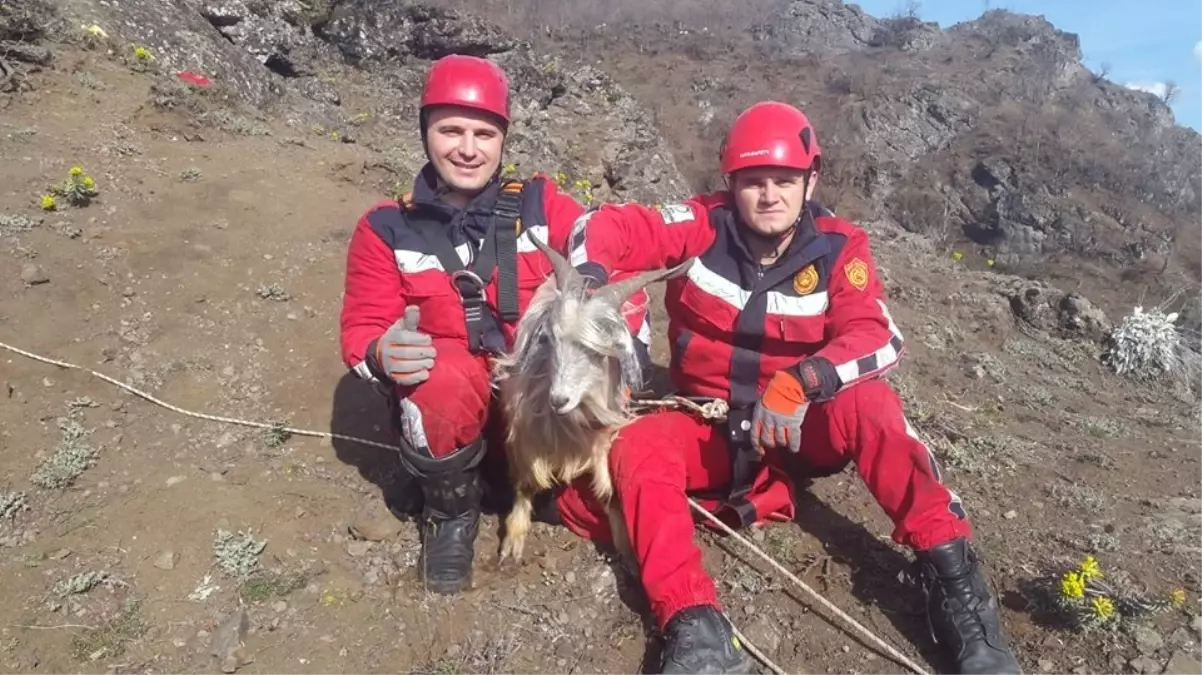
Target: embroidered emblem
x=675 y=213
x=805 y=281
x=857 y=273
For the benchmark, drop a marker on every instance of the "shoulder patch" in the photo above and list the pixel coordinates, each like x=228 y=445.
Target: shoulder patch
x=857 y=273
x=676 y=213
x=805 y=281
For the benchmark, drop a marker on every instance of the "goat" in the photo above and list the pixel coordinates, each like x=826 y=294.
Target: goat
x=564 y=390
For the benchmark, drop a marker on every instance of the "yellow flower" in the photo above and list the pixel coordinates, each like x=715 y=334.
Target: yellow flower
x=1103 y=607
x=1177 y=597
x=77 y=170
x=991 y=262
x=1090 y=569
x=142 y=53
x=48 y=202
x=1072 y=585
x=97 y=31
x=88 y=182
x=957 y=255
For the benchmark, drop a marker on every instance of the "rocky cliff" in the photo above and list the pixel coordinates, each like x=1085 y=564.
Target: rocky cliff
x=991 y=136
x=313 y=61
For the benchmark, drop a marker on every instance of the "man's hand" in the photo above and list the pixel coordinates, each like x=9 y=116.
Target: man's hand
x=405 y=354
x=777 y=419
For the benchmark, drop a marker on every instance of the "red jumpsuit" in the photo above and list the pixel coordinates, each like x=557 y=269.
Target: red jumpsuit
x=391 y=265
x=731 y=327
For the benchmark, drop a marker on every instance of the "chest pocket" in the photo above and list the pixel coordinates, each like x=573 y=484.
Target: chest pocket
x=428 y=284
x=806 y=330
x=422 y=274
x=794 y=318
x=711 y=312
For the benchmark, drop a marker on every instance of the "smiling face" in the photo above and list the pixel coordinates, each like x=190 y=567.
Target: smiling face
x=465 y=147
x=769 y=198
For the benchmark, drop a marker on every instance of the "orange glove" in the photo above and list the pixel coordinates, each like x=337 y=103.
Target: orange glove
x=777 y=419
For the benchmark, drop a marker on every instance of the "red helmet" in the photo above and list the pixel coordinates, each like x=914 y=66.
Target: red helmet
x=770 y=133
x=468 y=81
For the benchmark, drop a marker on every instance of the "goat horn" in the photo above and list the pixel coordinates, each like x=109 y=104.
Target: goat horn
x=616 y=293
x=565 y=274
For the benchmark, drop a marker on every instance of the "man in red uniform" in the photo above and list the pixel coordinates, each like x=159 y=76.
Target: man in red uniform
x=781 y=314
x=434 y=287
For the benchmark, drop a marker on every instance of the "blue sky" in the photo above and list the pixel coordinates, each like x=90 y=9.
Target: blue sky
x=1146 y=43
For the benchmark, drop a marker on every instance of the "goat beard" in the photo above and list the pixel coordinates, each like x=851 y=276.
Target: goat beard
x=529 y=394
x=524 y=377
x=535 y=431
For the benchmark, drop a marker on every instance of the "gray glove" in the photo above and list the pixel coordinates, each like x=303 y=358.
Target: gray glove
x=403 y=353
x=776 y=422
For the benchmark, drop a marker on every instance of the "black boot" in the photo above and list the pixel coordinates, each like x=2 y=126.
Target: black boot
x=450 y=518
x=962 y=614
x=701 y=640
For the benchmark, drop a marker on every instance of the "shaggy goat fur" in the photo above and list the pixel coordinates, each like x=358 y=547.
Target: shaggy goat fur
x=568 y=341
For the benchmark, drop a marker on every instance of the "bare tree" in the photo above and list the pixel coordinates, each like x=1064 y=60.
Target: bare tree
x=1171 y=91
x=908 y=9
x=1104 y=70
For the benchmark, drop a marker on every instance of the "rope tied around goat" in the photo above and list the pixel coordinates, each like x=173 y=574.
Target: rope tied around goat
x=714 y=409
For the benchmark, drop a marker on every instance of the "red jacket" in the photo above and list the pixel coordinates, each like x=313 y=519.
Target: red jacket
x=731 y=326
x=389 y=265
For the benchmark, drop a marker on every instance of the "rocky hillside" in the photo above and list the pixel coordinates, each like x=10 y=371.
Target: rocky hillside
x=990 y=136
x=179 y=181
x=317 y=65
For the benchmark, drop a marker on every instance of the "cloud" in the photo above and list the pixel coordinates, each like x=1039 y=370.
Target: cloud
x=1198 y=50
x=1156 y=88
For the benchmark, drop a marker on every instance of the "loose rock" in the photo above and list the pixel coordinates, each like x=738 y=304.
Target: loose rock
x=32 y=275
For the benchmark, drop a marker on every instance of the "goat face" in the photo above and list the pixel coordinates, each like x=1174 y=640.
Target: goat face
x=576 y=346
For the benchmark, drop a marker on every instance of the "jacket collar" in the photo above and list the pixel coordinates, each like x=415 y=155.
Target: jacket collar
x=467 y=224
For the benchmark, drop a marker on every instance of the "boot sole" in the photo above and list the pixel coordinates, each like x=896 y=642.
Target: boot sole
x=449 y=587
x=744 y=666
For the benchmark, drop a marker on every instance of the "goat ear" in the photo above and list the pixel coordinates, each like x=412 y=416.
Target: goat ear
x=617 y=293
x=565 y=274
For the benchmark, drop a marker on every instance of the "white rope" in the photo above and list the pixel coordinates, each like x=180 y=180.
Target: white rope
x=714 y=410
x=752 y=648
x=189 y=413
x=711 y=410
x=901 y=658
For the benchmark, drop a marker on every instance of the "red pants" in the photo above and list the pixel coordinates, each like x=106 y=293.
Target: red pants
x=657 y=458
x=452 y=408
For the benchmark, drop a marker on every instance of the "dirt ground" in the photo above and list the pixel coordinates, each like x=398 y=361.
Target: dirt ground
x=208 y=272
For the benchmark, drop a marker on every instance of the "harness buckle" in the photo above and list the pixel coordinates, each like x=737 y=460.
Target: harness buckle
x=476 y=281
